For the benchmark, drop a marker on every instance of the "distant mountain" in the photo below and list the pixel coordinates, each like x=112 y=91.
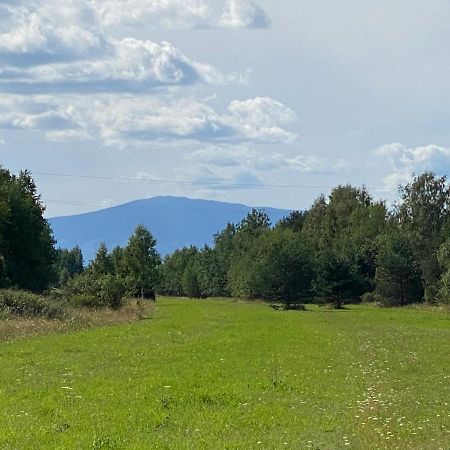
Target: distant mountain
x=174 y=221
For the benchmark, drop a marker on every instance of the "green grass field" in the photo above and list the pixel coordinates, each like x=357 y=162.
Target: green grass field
x=215 y=374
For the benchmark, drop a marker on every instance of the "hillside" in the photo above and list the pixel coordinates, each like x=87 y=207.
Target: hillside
x=174 y=221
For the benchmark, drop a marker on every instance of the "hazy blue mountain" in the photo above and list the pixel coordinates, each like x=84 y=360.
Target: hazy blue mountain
x=174 y=221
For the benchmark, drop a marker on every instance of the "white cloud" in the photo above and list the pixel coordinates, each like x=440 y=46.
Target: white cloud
x=226 y=167
x=181 y=13
x=45 y=32
x=229 y=157
x=45 y=48
x=130 y=64
x=169 y=13
x=144 y=119
x=140 y=119
x=405 y=161
x=244 y=14
x=41 y=31
x=52 y=56
x=59 y=121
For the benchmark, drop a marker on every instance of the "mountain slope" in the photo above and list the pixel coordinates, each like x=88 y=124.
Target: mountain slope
x=174 y=221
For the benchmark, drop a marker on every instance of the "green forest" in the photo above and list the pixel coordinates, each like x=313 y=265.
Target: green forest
x=346 y=248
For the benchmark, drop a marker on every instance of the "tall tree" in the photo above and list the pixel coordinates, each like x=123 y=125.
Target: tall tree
x=142 y=260
x=102 y=264
x=278 y=267
x=248 y=232
x=397 y=275
x=337 y=279
x=173 y=269
x=68 y=264
x=424 y=213
x=294 y=221
x=26 y=242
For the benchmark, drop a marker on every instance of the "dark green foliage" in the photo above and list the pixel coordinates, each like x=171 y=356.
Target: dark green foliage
x=345 y=246
x=277 y=267
x=443 y=256
x=26 y=243
x=68 y=264
x=26 y=304
x=337 y=279
x=189 y=282
x=221 y=260
x=370 y=297
x=424 y=213
x=100 y=291
x=397 y=276
x=141 y=261
x=294 y=222
x=102 y=264
x=172 y=270
x=111 y=276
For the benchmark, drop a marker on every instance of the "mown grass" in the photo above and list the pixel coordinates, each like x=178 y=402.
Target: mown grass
x=217 y=374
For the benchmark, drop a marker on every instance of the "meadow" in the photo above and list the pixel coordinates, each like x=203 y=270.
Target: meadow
x=221 y=374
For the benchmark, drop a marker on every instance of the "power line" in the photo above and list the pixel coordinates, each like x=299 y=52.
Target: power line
x=190 y=182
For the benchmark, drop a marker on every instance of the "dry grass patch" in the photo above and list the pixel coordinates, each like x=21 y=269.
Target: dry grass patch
x=75 y=319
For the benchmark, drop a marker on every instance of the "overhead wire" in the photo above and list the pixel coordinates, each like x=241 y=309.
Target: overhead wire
x=173 y=181
x=217 y=183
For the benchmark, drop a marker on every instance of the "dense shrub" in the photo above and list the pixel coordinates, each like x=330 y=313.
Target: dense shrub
x=370 y=297
x=22 y=303
x=86 y=301
x=99 y=291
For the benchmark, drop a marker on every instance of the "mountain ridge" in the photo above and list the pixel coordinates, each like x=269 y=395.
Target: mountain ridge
x=174 y=221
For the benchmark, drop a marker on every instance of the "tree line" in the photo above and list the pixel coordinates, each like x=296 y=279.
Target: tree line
x=346 y=247
x=30 y=260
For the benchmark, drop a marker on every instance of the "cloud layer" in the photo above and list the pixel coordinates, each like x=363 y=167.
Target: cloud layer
x=140 y=119
x=223 y=158
x=127 y=65
x=55 y=56
x=405 y=161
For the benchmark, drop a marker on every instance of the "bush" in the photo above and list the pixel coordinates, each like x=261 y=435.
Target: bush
x=97 y=291
x=22 y=303
x=86 y=301
x=370 y=297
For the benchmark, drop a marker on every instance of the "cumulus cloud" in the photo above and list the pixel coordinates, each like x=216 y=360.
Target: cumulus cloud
x=39 y=33
x=405 y=161
x=140 y=119
x=262 y=116
x=58 y=121
x=45 y=48
x=169 y=13
x=131 y=64
x=244 y=14
x=52 y=56
x=181 y=13
x=242 y=156
x=226 y=167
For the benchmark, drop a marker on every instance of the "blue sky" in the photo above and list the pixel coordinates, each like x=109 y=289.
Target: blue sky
x=265 y=102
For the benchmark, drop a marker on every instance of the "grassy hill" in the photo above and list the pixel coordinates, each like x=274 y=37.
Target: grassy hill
x=216 y=374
